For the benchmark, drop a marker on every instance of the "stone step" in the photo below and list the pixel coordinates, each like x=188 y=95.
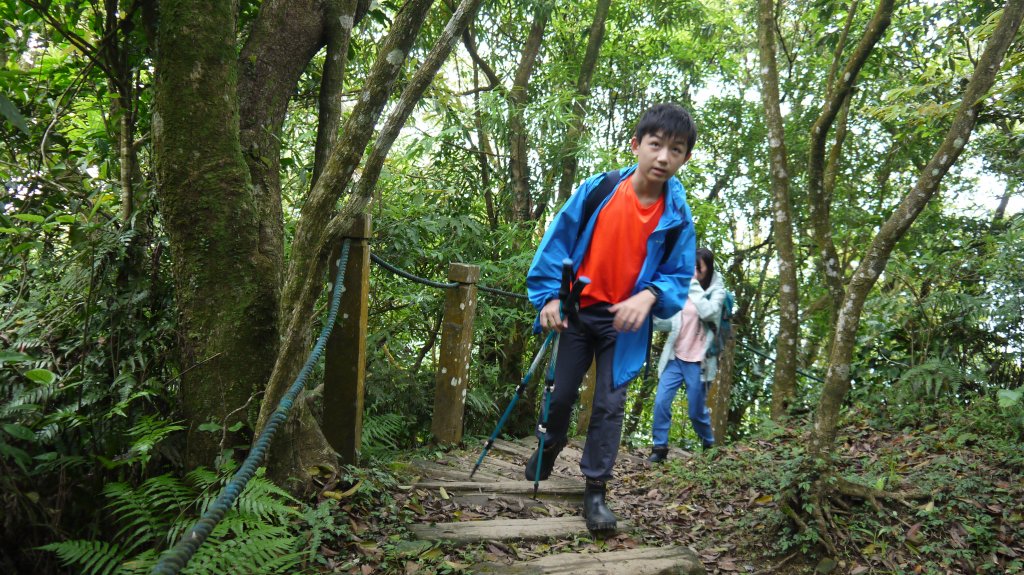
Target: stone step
x=672 y=560
x=505 y=529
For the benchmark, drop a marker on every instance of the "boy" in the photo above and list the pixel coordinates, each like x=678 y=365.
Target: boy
x=622 y=249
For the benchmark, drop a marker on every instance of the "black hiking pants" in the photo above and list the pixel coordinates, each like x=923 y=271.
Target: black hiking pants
x=577 y=347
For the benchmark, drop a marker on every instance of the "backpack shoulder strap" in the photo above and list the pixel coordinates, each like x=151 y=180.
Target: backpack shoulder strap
x=597 y=195
x=671 y=237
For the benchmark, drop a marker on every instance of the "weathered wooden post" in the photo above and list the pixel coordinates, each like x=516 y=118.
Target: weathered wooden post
x=451 y=379
x=586 y=399
x=345 y=355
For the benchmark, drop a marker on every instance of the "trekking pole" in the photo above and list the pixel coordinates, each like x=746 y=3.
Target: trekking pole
x=518 y=393
x=542 y=428
x=568 y=295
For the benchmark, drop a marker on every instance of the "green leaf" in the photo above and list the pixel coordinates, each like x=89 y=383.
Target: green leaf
x=19 y=431
x=13 y=357
x=23 y=246
x=209 y=426
x=43 y=376
x=13 y=115
x=34 y=218
x=1010 y=397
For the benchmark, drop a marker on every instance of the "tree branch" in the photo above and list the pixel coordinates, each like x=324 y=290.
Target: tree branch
x=837 y=381
x=819 y=209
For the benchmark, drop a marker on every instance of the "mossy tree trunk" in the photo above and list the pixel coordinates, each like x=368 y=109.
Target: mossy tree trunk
x=212 y=219
x=837 y=380
x=576 y=135
x=818 y=161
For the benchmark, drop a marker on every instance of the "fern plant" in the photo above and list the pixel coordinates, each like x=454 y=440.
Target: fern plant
x=383 y=433
x=933 y=379
x=258 y=535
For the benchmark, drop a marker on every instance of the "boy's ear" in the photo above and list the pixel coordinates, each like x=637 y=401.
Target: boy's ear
x=634 y=144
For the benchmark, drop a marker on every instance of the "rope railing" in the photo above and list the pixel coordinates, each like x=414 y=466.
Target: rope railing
x=502 y=292
x=174 y=559
x=402 y=273
x=772 y=359
x=441 y=285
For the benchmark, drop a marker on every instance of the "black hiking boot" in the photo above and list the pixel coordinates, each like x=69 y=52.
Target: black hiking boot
x=551 y=452
x=659 y=453
x=599 y=518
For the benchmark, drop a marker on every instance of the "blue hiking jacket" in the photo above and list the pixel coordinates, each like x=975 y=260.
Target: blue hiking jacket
x=671 y=277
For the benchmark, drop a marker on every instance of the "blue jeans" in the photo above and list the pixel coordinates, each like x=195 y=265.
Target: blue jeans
x=676 y=373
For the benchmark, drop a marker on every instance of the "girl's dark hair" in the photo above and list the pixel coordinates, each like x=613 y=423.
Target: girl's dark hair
x=670 y=121
x=705 y=255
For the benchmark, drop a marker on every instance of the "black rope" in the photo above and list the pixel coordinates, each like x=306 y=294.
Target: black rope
x=772 y=359
x=409 y=276
x=400 y=272
x=502 y=292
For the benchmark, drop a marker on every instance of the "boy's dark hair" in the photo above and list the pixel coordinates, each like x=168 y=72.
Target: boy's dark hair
x=669 y=120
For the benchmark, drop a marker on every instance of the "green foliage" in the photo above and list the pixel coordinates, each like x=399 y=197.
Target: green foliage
x=382 y=433
x=932 y=380
x=258 y=534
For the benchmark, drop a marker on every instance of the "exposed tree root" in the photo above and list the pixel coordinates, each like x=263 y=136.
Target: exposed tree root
x=830 y=494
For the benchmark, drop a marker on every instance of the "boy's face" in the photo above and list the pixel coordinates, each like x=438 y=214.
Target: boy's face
x=659 y=157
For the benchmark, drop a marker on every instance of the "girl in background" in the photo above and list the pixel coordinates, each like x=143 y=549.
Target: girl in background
x=685 y=359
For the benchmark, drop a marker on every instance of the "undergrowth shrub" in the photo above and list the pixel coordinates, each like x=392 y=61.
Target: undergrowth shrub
x=260 y=533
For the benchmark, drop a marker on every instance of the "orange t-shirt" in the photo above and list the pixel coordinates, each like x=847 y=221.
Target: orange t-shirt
x=618 y=246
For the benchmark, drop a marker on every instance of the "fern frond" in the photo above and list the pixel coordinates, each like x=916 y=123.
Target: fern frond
x=934 y=378
x=263 y=500
x=261 y=548
x=382 y=431
x=147 y=512
x=90 y=557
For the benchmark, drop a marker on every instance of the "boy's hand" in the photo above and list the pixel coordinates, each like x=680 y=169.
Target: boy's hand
x=551 y=316
x=630 y=314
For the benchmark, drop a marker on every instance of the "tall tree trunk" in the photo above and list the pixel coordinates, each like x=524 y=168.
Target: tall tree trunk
x=837 y=380
x=721 y=392
x=522 y=204
x=302 y=445
x=577 y=128
x=524 y=417
x=342 y=16
x=210 y=215
x=838 y=94
x=283 y=39
x=789 y=324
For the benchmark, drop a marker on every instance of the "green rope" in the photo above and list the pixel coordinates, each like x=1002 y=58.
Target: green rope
x=174 y=560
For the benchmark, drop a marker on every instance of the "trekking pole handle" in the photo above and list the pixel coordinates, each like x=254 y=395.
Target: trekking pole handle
x=577 y=288
x=563 y=292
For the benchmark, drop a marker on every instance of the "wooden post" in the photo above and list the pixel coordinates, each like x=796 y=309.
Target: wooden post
x=586 y=399
x=451 y=379
x=345 y=354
